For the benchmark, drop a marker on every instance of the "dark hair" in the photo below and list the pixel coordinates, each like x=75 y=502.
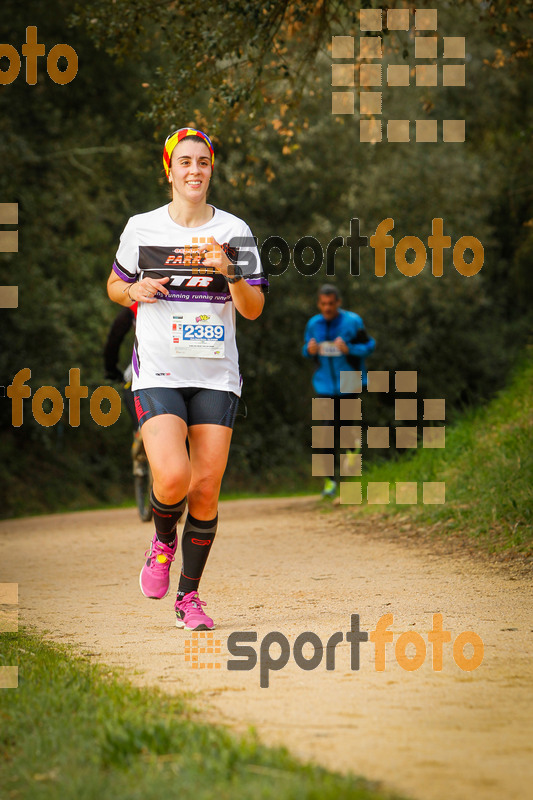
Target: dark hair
x=194 y=139
x=328 y=288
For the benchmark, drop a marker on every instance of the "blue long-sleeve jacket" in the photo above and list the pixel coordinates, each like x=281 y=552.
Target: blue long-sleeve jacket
x=349 y=326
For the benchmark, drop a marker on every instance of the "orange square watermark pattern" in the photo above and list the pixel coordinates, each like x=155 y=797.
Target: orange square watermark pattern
x=9 y=243
x=407 y=434
x=9 y=623
x=422 y=25
x=201 y=651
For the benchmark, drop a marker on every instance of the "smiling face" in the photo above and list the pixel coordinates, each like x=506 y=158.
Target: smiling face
x=190 y=170
x=328 y=305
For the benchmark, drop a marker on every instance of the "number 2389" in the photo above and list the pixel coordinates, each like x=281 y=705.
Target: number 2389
x=204 y=332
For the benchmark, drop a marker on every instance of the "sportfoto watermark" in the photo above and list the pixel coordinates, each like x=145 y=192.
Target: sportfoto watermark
x=74 y=391
x=380 y=242
x=240 y=646
x=31 y=51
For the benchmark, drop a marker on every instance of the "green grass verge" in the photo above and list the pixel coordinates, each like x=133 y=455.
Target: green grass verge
x=487 y=465
x=73 y=730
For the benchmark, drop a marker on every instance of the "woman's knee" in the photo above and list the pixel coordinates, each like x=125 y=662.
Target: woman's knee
x=204 y=492
x=173 y=483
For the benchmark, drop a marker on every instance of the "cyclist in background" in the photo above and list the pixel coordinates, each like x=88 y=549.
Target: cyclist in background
x=336 y=340
x=121 y=326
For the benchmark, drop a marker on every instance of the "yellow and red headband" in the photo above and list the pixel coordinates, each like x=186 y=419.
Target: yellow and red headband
x=177 y=136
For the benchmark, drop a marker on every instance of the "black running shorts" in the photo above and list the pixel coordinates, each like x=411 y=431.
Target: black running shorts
x=195 y=406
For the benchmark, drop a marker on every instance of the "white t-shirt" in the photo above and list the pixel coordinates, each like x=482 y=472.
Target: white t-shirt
x=187 y=338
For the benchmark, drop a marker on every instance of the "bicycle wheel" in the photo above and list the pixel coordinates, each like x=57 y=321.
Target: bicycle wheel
x=143 y=485
x=142 y=478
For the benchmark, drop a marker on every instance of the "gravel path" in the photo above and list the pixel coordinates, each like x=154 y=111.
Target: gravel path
x=283 y=565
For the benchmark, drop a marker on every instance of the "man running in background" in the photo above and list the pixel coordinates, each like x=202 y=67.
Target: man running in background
x=337 y=342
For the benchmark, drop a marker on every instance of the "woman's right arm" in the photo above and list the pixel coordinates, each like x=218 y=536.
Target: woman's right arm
x=117 y=289
x=125 y=294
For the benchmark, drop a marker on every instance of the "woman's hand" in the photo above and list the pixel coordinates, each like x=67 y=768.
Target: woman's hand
x=215 y=257
x=248 y=300
x=144 y=291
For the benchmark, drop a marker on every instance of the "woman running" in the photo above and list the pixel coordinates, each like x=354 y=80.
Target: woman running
x=179 y=262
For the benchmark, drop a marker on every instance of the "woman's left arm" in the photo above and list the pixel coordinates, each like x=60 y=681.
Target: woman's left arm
x=248 y=300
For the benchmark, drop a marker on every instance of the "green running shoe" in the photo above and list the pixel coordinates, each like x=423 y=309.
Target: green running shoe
x=330 y=487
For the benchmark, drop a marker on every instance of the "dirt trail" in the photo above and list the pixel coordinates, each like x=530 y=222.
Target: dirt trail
x=280 y=565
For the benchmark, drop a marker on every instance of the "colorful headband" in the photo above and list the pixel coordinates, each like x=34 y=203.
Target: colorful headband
x=177 y=136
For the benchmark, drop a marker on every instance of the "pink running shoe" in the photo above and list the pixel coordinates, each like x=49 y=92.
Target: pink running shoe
x=190 y=614
x=154 y=578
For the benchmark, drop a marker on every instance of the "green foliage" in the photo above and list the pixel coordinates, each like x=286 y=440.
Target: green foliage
x=212 y=60
x=84 y=157
x=74 y=730
x=79 y=164
x=77 y=168
x=487 y=466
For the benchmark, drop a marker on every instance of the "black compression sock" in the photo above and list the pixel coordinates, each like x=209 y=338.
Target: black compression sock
x=166 y=519
x=196 y=542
